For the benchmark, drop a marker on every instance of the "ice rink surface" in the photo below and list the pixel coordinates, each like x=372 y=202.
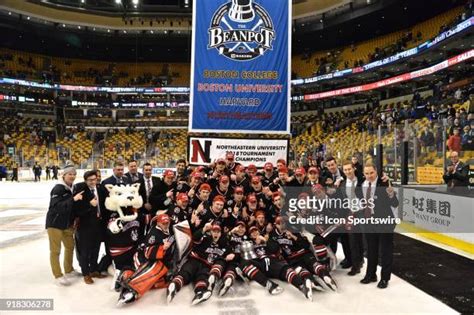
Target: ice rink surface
x=25 y=273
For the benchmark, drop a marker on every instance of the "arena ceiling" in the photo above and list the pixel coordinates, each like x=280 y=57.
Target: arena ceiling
x=167 y=37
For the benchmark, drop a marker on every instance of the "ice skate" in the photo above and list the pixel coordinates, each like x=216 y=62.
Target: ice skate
x=225 y=288
x=273 y=288
x=125 y=298
x=171 y=292
x=201 y=296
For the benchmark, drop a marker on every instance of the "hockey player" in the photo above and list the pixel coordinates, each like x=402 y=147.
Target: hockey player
x=214 y=214
x=296 y=249
x=260 y=222
x=268 y=174
x=152 y=262
x=222 y=188
x=240 y=178
x=205 y=264
x=201 y=199
x=274 y=267
x=235 y=238
x=179 y=211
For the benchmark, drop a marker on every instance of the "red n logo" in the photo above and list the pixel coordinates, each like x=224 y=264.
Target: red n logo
x=204 y=154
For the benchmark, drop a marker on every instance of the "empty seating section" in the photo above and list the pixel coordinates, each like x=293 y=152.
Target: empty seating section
x=91 y=72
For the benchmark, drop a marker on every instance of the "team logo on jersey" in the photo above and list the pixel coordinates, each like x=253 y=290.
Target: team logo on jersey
x=134 y=235
x=241 y=30
x=151 y=240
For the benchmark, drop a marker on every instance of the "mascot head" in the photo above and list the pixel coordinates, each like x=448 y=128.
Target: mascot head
x=124 y=197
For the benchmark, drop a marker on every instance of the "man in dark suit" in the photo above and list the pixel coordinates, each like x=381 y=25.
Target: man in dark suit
x=378 y=235
x=332 y=176
x=457 y=173
x=117 y=177
x=147 y=182
x=133 y=175
x=89 y=230
x=351 y=188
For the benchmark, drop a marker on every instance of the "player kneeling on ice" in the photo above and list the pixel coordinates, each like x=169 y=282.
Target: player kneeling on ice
x=152 y=262
x=205 y=264
x=243 y=250
x=296 y=249
x=272 y=267
x=123 y=226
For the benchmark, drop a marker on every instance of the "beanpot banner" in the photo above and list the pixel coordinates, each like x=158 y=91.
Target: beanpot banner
x=240 y=67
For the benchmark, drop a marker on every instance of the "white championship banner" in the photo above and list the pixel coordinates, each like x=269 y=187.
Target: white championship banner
x=203 y=150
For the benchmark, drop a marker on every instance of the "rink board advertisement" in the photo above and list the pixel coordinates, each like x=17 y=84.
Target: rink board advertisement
x=240 y=67
x=439 y=212
x=202 y=150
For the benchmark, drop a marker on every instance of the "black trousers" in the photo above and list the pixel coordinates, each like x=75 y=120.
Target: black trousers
x=343 y=237
x=356 y=244
x=193 y=271
x=379 y=243
x=87 y=248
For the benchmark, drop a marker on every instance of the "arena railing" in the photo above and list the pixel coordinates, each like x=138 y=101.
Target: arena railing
x=458 y=29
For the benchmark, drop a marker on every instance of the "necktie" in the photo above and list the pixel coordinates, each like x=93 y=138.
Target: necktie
x=97 y=197
x=148 y=190
x=368 y=195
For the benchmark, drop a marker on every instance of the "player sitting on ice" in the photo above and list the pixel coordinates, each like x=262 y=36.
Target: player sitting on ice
x=239 y=244
x=273 y=267
x=152 y=262
x=296 y=249
x=205 y=264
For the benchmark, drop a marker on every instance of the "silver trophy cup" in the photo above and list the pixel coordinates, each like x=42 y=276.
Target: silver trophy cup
x=241 y=11
x=246 y=250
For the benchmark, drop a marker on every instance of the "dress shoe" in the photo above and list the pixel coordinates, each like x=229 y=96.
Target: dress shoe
x=345 y=264
x=382 y=284
x=97 y=274
x=353 y=271
x=88 y=280
x=368 y=279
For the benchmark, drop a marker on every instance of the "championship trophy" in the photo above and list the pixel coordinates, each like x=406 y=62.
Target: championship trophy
x=241 y=11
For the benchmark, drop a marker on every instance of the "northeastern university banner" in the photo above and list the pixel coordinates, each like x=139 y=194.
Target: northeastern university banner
x=203 y=150
x=240 y=67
